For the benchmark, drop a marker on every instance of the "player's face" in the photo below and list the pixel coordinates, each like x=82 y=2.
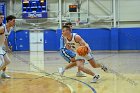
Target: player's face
x=65 y=32
x=1 y=18
x=12 y=22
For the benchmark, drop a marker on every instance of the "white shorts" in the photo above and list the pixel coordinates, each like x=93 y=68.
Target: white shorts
x=1 y=61
x=86 y=57
x=2 y=52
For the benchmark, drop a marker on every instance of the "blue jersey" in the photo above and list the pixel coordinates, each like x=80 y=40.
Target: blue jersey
x=64 y=52
x=62 y=42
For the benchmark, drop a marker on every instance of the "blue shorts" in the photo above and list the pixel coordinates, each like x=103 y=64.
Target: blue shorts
x=67 y=54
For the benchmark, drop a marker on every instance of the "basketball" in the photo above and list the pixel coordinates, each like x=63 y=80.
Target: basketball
x=82 y=50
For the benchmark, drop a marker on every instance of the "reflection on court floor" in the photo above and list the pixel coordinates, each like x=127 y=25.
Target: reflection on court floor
x=123 y=75
x=36 y=59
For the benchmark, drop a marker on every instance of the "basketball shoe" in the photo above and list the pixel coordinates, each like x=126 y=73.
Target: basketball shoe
x=61 y=71
x=104 y=68
x=80 y=74
x=4 y=75
x=95 y=78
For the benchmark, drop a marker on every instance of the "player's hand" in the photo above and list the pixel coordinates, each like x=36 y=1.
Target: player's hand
x=68 y=46
x=9 y=50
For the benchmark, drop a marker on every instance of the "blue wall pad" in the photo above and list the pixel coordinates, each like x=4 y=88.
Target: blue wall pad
x=22 y=40
x=129 y=38
x=97 y=38
x=114 y=43
x=50 y=40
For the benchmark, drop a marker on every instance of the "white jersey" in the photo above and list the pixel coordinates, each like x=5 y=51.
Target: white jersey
x=2 y=40
x=7 y=33
x=73 y=44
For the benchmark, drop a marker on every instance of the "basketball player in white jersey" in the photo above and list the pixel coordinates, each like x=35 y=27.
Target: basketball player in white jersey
x=4 y=59
x=73 y=41
x=7 y=47
x=3 y=75
x=68 y=55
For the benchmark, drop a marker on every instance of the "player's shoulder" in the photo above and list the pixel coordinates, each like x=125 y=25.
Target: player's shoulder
x=1 y=27
x=77 y=36
x=2 y=30
x=74 y=33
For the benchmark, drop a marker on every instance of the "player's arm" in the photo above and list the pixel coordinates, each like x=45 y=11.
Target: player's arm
x=1 y=30
x=6 y=45
x=80 y=40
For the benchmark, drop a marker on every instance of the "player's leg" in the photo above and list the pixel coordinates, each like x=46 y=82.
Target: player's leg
x=61 y=70
x=7 y=61
x=70 y=65
x=80 y=74
x=69 y=56
x=93 y=63
x=2 y=63
x=80 y=65
x=4 y=69
x=4 y=74
x=97 y=65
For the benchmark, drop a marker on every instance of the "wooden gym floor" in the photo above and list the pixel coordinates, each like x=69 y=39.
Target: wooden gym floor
x=36 y=72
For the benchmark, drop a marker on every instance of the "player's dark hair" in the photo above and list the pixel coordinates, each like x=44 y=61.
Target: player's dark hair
x=69 y=23
x=10 y=17
x=1 y=13
x=67 y=27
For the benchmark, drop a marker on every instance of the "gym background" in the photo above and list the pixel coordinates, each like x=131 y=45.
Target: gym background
x=107 y=25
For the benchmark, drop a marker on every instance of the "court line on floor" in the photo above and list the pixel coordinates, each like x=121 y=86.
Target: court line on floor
x=55 y=73
x=48 y=74
x=93 y=90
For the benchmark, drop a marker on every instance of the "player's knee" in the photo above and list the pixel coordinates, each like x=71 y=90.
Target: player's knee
x=1 y=64
x=7 y=62
x=80 y=67
x=73 y=60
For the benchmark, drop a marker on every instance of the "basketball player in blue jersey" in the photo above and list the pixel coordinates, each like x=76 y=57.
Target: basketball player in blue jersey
x=69 y=55
x=73 y=41
x=4 y=59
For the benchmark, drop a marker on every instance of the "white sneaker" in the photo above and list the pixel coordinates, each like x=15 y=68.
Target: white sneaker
x=80 y=74
x=61 y=71
x=95 y=78
x=104 y=68
x=4 y=75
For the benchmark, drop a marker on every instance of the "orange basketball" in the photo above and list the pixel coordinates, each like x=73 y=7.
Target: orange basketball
x=82 y=50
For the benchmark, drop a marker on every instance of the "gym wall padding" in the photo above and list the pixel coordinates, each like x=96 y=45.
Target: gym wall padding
x=50 y=40
x=97 y=38
x=111 y=39
x=129 y=38
x=22 y=40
